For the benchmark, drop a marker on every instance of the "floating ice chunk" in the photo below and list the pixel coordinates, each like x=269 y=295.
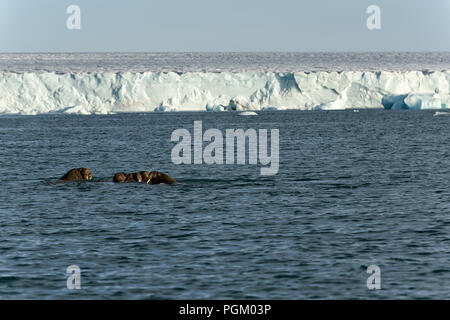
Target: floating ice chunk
x=248 y=113
x=425 y=101
x=441 y=113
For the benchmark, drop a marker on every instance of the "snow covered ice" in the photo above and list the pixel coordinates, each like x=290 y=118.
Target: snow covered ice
x=103 y=92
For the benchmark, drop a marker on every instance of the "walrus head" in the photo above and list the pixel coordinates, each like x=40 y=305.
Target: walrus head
x=145 y=176
x=157 y=177
x=120 y=177
x=153 y=177
x=134 y=177
x=137 y=177
x=86 y=173
x=77 y=174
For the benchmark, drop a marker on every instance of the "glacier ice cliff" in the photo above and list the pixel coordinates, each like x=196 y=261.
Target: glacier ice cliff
x=109 y=92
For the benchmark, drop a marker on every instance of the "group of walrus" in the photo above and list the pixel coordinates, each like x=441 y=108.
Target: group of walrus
x=153 y=177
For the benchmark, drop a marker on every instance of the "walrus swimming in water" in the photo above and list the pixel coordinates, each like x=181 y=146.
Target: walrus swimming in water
x=128 y=177
x=156 y=177
x=153 y=177
x=145 y=176
x=134 y=177
x=120 y=177
x=77 y=174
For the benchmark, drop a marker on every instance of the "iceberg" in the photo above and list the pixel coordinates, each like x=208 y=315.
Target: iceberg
x=114 y=92
x=441 y=113
x=248 y=113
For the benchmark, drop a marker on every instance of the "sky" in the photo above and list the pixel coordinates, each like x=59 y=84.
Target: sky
x=227 y=25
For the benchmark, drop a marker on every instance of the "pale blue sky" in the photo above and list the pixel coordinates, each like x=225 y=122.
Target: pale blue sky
x=227 y=25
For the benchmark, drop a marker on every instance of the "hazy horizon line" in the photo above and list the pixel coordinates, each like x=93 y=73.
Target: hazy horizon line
x=212 y=52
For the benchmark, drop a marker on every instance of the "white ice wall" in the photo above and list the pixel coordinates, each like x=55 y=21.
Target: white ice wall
x=86 y=93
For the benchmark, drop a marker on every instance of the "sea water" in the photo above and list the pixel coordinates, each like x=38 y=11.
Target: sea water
x=353 y=190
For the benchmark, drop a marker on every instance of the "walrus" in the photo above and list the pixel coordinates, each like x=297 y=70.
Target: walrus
x=120 y=177
x=145 y=175
x=134 y=177
x=77 y=174
x=153 y=177
x=128 y=177
x=157 y=177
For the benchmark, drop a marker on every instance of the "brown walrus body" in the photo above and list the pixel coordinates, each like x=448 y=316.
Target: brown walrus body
x=156 y=177
x=120 y=177
x=77 y=174
x=145 y=175
x=153 y=177
x=134 y=177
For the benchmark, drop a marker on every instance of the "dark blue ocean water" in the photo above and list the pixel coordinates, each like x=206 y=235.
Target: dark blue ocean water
x=354 y=189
